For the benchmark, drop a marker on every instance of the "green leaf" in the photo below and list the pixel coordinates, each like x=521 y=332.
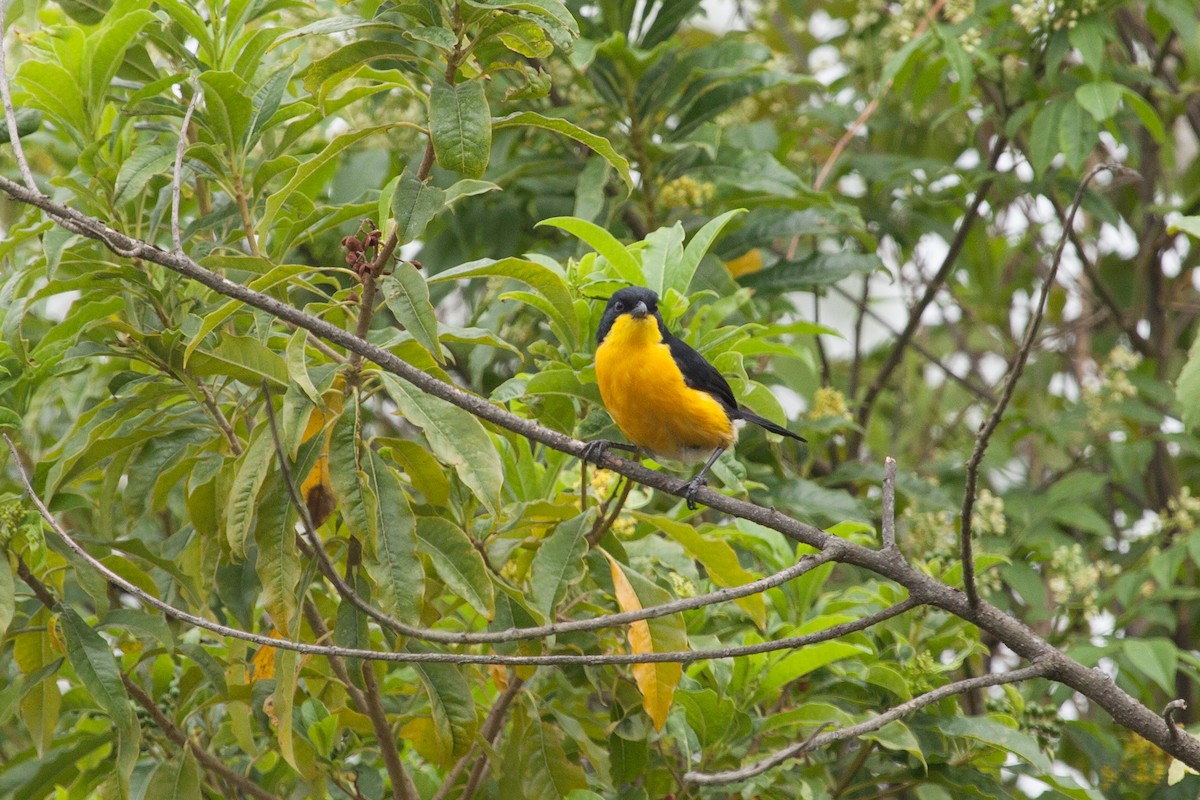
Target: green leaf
x=804 y=661
x=814 y=270
x=7 y=594
x=544 y=280
x=458 y=563
x=1043 y=138
x=623 y=262
x=242 y=358
x=554 y=16
x=679 y=273
x=450 y=705
x=252 y=468
x=1187 y=385
x=896 y=736
x=177 y=779
x=278 y=563
x=1076 y=135
x=28 y=121
x=414 y=204
x=457 y=438
x=331 y=151
x=354 y=497
x=393 y=562
x=720 y=560
x=1156 y=658
x=460 y=125
x=1146 y=114
x=142 y=165
x=559 y=563
x=53 y=90
x=597 y=144
x=105 y=49
x=96 y=668
x=663 y=246
x=407 y=297
x=1101 y=99
x=536 y=767
x=229 y=109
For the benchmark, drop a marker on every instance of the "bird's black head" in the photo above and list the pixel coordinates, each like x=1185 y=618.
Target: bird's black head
x=637 y=301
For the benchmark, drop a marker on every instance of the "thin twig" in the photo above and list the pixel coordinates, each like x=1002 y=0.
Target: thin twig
x=1036 y=670
x=1010 y=383
x=921 y=350
x=177 y=175
x=889 y=503
x=9 y=114
x=1172 y=708
x=871 y=107
x=402 y=785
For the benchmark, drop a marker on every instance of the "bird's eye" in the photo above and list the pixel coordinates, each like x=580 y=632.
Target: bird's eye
x=619 y=306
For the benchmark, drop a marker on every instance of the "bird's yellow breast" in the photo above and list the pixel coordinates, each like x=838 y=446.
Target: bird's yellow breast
x=646 y=395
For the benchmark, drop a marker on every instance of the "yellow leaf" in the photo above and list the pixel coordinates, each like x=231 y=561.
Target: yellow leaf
x=656 y=682
x=499 y=676
x=750 y=261
x=316 y=489
x=419 y=732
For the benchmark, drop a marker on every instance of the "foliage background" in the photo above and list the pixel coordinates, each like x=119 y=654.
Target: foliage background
x=139 y=401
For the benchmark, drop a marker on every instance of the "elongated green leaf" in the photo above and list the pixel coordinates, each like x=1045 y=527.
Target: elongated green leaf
x=1187 y=386
x=623 y=262
x=7 y=595
x=451 y=706
x=559 y=563
x=1076 y=134
x=544 y=280
x=96 y=668
x=105 y=50
x=458 y=563
x=553 y=15
x=229 y=109
x=287 y=665
x=242 y=358
x=598 y=144
x=278 y=563
x=354 y=496
x=804 y=661
x=460 y=125
x=53 y=90
x=279 y=198
x=407 y=297
x=393 y=564
x=457 y=438
x=142 y=165
x=679 y=273
x=253 y=468
x=663 y=246
x=268 y=280
x=539 y=767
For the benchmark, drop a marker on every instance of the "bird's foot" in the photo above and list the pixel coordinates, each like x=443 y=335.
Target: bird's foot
x=597 y=448
x=693 y=486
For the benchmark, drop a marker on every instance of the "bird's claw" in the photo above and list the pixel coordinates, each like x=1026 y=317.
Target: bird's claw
x=595 y=450
x=693 y=486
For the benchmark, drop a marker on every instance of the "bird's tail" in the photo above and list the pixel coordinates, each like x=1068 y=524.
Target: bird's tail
x=763 y=422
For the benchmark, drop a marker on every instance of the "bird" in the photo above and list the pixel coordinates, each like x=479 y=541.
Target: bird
x=665 y=397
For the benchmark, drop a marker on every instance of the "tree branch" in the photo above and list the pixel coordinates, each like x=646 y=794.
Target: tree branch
x=1099 y=688
x=1014 y=374
x=1036 y=670
x=9 y=114
x=177 y=174
x=918 y=309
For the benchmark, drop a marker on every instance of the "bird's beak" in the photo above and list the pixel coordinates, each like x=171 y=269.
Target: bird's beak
x=639 y=311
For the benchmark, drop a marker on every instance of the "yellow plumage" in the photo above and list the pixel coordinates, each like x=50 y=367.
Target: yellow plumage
x=646 y=395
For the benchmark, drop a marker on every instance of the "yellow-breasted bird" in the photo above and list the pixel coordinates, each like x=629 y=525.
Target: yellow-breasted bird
x=663 y=395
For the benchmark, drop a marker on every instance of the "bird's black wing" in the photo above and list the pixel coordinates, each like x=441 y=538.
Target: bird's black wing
x=699 y=374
